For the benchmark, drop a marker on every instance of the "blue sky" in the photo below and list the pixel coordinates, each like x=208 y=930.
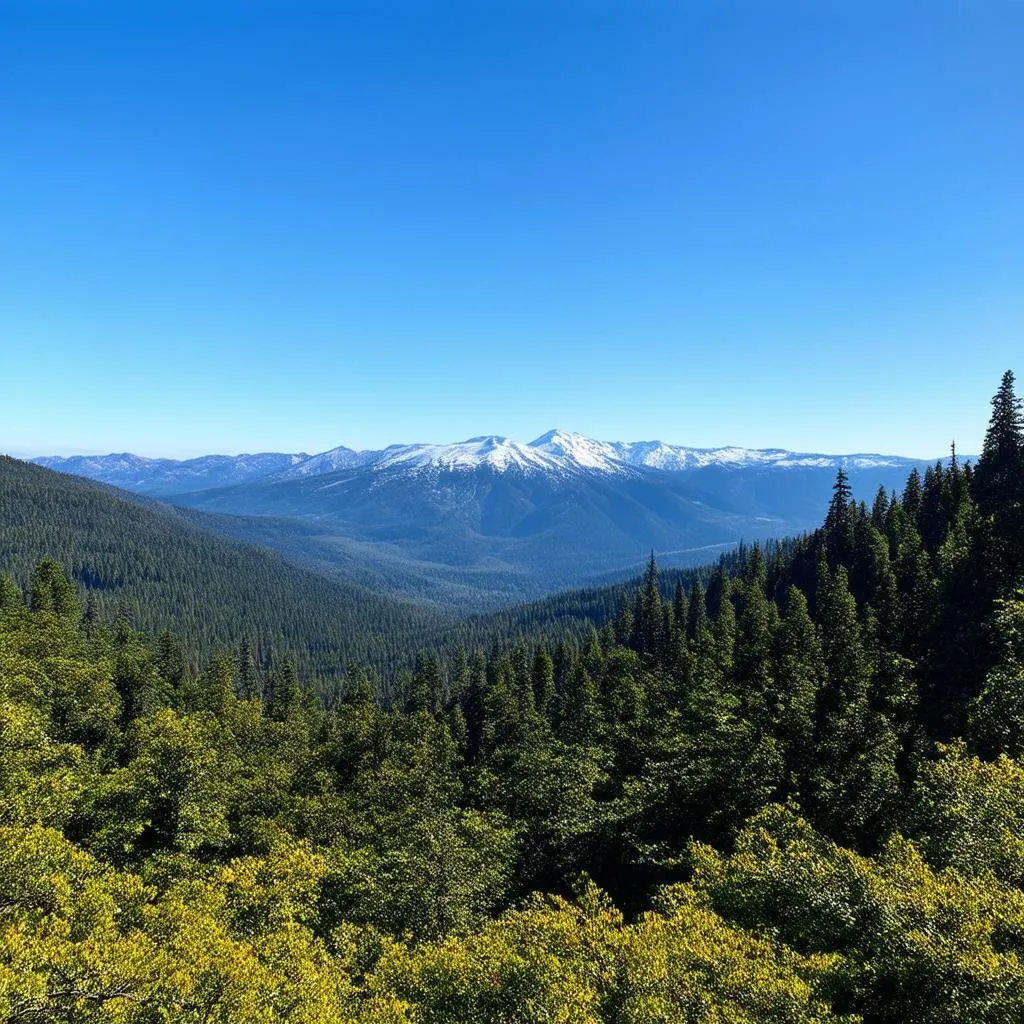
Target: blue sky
x=286 y=227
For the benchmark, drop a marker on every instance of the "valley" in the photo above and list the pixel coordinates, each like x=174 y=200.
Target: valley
x=487 y=522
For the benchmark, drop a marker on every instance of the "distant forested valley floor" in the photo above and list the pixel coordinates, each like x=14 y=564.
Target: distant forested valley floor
x=785 y=788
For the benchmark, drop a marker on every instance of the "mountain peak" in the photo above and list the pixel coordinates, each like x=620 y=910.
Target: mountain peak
x=490 y=450
x=552 y=435
x=581 y=451
x=558 y=453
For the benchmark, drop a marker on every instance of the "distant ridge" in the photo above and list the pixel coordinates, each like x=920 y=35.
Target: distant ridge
x=556 y=452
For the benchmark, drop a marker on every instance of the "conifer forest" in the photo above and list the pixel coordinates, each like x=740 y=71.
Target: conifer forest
x=787 y=788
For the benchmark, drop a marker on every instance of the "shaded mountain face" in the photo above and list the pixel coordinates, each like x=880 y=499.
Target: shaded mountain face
x=489 y=520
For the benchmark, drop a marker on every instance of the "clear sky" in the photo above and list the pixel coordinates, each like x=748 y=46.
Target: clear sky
x=244 y=227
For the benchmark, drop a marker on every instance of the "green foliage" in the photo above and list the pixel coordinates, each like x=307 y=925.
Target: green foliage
x=761 y=764
x=997 y=714
x=911 y=944
x=148 y=564
x=970 y=814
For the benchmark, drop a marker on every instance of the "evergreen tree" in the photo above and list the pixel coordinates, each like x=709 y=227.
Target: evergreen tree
x=504 y=724
x=456 y=720
x=360 y=689
x=580 y=713
x=880 y=509
x=285 y=694
x=474 y=706
x=425 y=692
x=543 y=681
x=136 y=676
x=11 y=597
x=248 y=680
x=758 y=621
x=999 y=475
x=856 y=787
x=799 y=676
x=219 y=685
x=911 y=500
x=170 y=659
x=697 y=621
x=996 y=722
x=705 y=675
x=679 y=607
x=876 y=585
x=623 y=696
x=724 y=627
x=52 y=591
x=460 y=673
x=839 y=521
x=648 y=621
x=624 y=620
x=932 y=514
x=998 y=486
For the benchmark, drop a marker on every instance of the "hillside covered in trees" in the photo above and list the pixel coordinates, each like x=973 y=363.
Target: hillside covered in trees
x=139 y=560
x=150 y=564
x=794 y=794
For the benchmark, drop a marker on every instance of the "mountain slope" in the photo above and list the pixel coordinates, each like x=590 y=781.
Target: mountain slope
x=555 y=452
x=148 y=562
x=169 y=476
x=496 y=535
x=490 y=521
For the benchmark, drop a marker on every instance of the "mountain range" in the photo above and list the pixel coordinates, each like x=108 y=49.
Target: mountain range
x=489 y=521
x=556 y=452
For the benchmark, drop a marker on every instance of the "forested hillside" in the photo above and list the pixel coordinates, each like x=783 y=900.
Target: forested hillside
x=146 y=562
x=793 y=795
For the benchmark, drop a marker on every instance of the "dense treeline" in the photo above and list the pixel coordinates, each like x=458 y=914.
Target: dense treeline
x=572 y=612
x=158 y=567
x=145 y=562
x=791 y=793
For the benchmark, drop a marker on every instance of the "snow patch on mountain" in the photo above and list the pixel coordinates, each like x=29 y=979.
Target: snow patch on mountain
x=492 y=451
x=169 y=476
x=328 y=462
x=578 y=450
x=557 y=452
x=563 y=452
x=676 y=458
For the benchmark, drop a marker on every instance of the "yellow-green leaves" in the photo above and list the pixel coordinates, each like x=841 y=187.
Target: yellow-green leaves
x=970 y=813
x=82 y=942
x=918 y=945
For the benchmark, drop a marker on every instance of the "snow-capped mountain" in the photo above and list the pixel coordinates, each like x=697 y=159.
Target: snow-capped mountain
x=580 y=451
x=561 y=452
x=488 y=451
x=326 y=462
x=494 y=516
x=557 y=452
x=610 y=456
x=675 y=458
